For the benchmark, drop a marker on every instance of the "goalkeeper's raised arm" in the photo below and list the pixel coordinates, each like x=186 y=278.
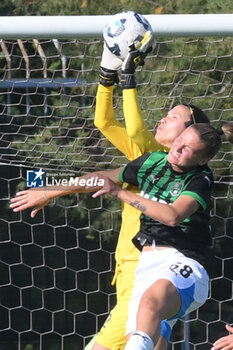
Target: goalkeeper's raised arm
x=133 y=138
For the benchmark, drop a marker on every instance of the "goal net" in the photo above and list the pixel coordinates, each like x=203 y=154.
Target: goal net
x=56 y=269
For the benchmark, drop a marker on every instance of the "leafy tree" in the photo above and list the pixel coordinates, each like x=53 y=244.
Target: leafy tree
x=106 y=7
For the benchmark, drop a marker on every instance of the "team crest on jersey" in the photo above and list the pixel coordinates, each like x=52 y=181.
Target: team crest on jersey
x=176 y=188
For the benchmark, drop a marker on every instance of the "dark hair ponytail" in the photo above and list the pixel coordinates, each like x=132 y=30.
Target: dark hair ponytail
x=227 y=130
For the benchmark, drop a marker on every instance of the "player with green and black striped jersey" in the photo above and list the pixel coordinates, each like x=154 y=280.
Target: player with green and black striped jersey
x=157 y=181
x=171 y=279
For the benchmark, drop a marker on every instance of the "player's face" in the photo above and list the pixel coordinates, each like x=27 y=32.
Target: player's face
x=186 y=151
x=172 y=125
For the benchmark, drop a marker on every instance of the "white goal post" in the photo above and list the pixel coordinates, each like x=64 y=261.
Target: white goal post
x=14 y=27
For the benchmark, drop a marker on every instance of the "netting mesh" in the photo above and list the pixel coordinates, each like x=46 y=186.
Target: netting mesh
x=56 y=269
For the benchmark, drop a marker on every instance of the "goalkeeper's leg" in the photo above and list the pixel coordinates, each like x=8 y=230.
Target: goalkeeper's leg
x=113 y=333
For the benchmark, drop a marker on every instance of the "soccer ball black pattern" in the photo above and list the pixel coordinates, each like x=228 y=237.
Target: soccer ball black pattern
x=125 y=28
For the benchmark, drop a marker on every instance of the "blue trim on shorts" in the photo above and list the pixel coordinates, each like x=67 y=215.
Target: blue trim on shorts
x=186 y=295
x=186 y=300
x=165 y=330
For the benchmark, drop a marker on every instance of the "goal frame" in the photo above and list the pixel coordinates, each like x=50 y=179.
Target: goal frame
x=24 y=27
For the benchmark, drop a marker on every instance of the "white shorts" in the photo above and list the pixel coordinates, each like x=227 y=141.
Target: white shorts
x=187 y=275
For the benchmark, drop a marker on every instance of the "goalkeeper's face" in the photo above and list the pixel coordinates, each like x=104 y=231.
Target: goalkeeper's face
x=171 y=126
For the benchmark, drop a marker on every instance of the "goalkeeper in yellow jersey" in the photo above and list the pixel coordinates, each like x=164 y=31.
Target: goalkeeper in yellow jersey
x=132 y=140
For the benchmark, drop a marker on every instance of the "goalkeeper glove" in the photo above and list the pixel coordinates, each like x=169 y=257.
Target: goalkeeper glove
x=108 y=77
x=136 y=57
x=109 y=65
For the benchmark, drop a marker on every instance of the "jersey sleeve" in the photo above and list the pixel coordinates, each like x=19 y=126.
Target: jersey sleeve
x=130 y=171
x=105 y=121
x=200 y=188
x=135 y=125
x=116 y=132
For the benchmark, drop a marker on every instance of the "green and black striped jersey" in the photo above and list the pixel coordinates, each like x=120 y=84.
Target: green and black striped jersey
x=157 y=181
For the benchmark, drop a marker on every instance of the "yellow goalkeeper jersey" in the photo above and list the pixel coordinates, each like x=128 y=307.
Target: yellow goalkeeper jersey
x=132 y=139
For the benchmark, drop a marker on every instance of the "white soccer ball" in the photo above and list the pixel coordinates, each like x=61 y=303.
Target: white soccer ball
x=123 y=29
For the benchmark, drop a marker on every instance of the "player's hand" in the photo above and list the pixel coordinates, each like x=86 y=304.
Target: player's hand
x=136 y=57
x=32 y=198
x=226 y=342
x=109 y=60
x=147 y=44
x=109 y=187
x=108 y=77
x=109 y=65
x=137 y=53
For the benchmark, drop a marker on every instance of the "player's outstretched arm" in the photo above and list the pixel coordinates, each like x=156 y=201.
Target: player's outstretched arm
x=171 y=215
x=37 y=198
x=226 y=342
x=106 y=122
x=105 y=119
x=120 y=136
x=135 y=125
